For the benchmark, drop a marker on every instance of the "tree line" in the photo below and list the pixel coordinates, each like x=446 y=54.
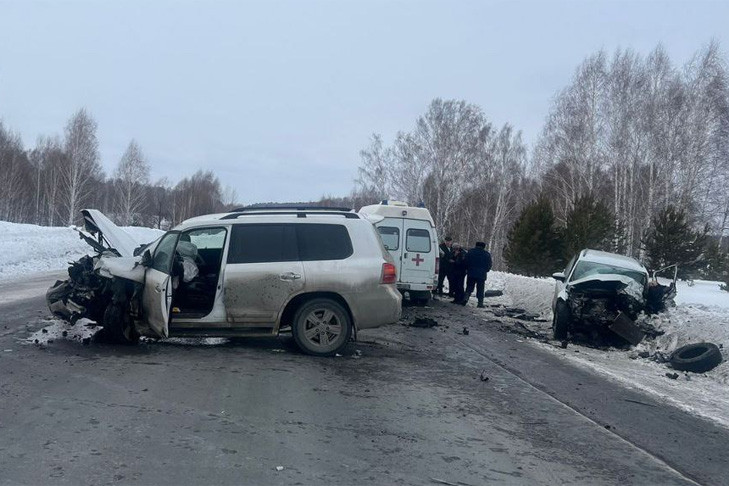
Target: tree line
x=50 y=183
x=629 y=141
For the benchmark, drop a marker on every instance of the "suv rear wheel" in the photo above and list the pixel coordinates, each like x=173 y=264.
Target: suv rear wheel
x=321 y=327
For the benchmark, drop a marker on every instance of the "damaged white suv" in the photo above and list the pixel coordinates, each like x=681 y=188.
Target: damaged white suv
x=320 y=272
x=602 y=293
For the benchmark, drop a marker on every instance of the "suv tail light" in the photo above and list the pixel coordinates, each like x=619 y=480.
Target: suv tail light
x=389 y=273
x=437 y=265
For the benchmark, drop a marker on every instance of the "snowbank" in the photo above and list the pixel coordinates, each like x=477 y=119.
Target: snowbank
x=531 y=294
x=27 y=248
x=701 y=314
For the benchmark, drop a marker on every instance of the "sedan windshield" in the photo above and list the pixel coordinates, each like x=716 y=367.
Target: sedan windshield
x=587 y=269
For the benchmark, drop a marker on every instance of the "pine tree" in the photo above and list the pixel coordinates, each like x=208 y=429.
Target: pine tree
x=714 y=263
x=534 y=246
x=589 y=225
x=672 y=241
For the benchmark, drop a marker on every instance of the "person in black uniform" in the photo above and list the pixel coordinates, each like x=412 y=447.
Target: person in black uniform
x=458 y=273
x=446 y=255
x=478 y=264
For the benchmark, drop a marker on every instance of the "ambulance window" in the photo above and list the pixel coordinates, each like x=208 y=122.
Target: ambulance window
x=390 y=237
x=418 y=240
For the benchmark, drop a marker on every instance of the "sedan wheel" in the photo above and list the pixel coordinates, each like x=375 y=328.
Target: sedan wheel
x=321 y=327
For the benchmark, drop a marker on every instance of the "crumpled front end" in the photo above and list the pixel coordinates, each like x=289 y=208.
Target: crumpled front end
x=607 y=303
x=84 y=294
x=89 y=289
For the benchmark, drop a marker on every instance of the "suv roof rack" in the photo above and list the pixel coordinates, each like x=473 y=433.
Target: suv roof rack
x=290 y=207
x=299 y=213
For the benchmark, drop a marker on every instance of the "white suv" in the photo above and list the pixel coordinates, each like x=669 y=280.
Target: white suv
x=323 y=273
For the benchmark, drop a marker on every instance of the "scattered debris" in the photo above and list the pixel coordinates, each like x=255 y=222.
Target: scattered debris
x=673 y=376
x=627 y=329
x=698 y=357
x=483 y=376
x=493 y=293
x=279 y=468
x=465 y=331
x=424 y=322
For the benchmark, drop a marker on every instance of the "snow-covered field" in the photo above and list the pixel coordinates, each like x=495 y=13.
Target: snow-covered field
x=701 y=314
x=27 y=248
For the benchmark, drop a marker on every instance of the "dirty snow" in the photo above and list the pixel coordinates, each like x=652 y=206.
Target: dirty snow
x=701 y=314
x=57 y=329
x=27 y=248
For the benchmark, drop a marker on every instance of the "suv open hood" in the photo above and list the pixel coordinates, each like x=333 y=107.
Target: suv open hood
x=108 y=235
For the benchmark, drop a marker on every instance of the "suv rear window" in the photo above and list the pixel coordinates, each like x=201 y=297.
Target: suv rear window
x=323 y=242
x=418 y=240
x=259 y=243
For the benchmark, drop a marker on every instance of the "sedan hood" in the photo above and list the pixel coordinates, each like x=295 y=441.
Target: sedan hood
x=609 y=282
x=108 y=235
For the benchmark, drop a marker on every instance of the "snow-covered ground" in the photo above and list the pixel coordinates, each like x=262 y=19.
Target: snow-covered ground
x=701 y=314
x=27 y=248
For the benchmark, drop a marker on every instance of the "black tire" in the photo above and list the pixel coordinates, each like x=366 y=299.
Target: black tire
x=698 y=358
x=315 y=327
x=561 y=321
x=118 y=325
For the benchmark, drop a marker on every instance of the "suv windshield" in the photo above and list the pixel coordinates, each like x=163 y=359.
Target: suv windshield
x=586 y=269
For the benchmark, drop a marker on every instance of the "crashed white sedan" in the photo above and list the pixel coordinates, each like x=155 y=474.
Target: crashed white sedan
x=602 y=294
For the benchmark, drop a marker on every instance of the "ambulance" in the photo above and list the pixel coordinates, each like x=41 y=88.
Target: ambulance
x=409 y=234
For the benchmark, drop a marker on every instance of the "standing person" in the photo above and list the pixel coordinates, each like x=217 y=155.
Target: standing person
x=446 y=255
x=478 y=264
x=458 y=273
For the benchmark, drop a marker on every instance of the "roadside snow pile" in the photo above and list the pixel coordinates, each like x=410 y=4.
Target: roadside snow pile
x=27 y=248
x=531 y=294
x=702 y=293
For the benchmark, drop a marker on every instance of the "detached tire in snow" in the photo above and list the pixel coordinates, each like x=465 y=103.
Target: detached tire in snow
x=698 y=358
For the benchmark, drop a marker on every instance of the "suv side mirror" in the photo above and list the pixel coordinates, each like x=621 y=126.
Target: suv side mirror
x=147 y=259
x=559 y=276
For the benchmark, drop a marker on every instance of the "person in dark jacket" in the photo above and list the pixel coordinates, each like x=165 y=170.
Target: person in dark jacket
x=446 y=255
x=458 y=273
x=478 y=264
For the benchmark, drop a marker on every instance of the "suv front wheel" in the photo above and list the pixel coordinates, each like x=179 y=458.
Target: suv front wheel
x=321 y=327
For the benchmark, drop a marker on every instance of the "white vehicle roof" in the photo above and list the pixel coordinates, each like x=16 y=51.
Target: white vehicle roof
x=270 y=215
x=613 y=259
x=397 y=209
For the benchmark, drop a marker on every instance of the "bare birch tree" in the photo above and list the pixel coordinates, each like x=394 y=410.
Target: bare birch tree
x=131 y=180
x=82 y=163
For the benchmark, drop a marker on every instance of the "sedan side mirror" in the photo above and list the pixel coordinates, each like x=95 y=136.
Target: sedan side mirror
x=147 y=259
x=559 y=276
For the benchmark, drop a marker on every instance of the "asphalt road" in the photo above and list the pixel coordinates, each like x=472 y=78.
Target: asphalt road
x=403 y=406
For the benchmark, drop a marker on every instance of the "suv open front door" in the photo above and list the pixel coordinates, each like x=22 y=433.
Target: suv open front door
x=157 y=293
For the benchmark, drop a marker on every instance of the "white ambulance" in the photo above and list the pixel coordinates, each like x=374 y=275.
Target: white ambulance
x=409 y=235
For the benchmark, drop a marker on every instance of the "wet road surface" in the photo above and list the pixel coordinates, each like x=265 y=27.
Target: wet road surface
x=402 y=406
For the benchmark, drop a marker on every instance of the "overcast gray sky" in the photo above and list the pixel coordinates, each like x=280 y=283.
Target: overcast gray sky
x=279 y=97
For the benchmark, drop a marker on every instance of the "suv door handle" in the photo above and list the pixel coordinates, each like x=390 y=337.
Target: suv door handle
x=289 y=276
